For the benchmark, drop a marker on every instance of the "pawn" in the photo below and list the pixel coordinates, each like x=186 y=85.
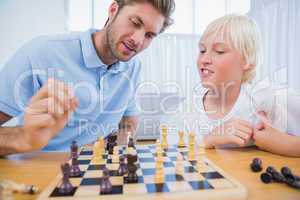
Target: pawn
x=276 y=176
x=181 y=143
x=105 y=185
x=287 y=173
x=256 y=165
x=179 y=165
x=66 y=186
x=122 y=170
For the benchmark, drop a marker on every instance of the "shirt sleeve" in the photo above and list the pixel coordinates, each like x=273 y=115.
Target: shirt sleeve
x=132 y=107
x=16 y=82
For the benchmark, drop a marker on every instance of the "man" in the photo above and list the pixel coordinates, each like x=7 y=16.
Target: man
x=98 y=65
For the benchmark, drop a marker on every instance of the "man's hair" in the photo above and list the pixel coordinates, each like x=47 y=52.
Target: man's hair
x=165 y=7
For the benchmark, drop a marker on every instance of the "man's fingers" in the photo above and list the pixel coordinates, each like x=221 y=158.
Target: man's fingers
x=244 y=136
x=40 y=120
x=56 y=89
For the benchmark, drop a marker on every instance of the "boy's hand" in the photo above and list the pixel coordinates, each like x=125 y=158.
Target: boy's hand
x=235 y=131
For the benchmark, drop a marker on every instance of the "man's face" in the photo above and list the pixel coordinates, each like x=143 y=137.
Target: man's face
x=132 y=30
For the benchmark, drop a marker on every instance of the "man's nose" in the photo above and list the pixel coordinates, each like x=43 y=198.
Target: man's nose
x=138 y=37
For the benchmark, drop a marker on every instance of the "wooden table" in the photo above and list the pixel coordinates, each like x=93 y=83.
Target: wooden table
x=40 y=168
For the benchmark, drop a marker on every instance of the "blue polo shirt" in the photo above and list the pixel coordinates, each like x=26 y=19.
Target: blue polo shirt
x=105 y=94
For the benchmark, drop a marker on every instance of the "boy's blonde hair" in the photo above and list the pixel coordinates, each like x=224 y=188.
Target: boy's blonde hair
x=243 y=34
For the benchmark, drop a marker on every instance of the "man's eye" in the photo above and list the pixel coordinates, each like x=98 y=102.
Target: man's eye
x=136 y=24
x=220 y=52
x=202 y=51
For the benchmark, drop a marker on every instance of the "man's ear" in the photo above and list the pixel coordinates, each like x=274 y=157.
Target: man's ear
x=113 y=10
x=247 y=67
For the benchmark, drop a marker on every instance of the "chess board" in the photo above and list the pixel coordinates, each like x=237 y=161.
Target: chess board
x=210 y=182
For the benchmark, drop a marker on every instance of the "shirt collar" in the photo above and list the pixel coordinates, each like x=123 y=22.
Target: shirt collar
x=91 y=58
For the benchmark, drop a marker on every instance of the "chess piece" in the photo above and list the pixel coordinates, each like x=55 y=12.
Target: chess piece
x=97 y=153
x=122 y=170
x=130 y=140
x=159 y=172
x=105 y=185
x=164 y=134
x=159 y=150
x=75 y=170
x=66 y=186
x=256 y=165
x=111 y=142
x=179 y=165
x=115 y=157
x=132 y=168
x=181 y=142
x=9 y=185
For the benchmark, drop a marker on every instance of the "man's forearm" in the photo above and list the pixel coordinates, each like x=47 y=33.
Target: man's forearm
x=10 y=140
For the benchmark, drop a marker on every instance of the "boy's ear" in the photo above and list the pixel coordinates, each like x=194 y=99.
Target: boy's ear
x=113 y=10
x=247 y=67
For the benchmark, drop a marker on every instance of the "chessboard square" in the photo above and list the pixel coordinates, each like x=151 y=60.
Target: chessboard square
x=90 y=181
x=147 y=165
x=200 y=185
x=145 y=155
x=173 y=158
x=116 y=189
x=220 y=183
x=202 y=168
x=171 y=149
x=75 y=181
x=92 y=190
x=146 y=160
x=85 y=157
x=116 y=180
x=139 y=172
x=85 y=153
x=84 y=162
x=148 y=171
x=189 y=169
x=181 y=186
x=149 y=179
x=168 y=164
x=109 y=161
x=212 y=175
x=157 y=187
x=139 y=180
x=169 y=170
x=83 y=167
x=143 y=151
x=93 y=174
x=112 y=166
x=173 y=178
x=96 y=167
x=193 y=177
x=97 y=162
x=172 y=154
x=134 y=188
x=113 y=173
x=56 y=193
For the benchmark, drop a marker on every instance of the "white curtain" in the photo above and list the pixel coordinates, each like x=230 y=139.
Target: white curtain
x=169 y=64
x=279 y=24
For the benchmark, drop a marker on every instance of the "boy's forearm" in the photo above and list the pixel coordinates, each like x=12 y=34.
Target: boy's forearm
x=11 y=140
x=285 y=144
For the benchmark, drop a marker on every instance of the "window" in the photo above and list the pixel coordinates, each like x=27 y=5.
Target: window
x=191 y=16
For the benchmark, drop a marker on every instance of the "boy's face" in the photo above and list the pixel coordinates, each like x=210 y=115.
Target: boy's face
x=219 y=64
x=132 y=29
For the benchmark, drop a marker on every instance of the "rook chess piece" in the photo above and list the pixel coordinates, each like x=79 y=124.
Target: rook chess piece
x=66 y=186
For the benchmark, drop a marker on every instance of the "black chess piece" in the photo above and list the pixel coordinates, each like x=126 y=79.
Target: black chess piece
x=66 y=186
x=122 y=168
x=132 y=168
x=105 y=185
x=291 y=179
x=131 y=142
x=276 y=176
x=266 y=177
x=111 y=142
x=256 y=165
x=75 y=170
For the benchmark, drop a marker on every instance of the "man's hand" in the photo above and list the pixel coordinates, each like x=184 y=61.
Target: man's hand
x=127 y=125
x=235 y=131
x=47 y=113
